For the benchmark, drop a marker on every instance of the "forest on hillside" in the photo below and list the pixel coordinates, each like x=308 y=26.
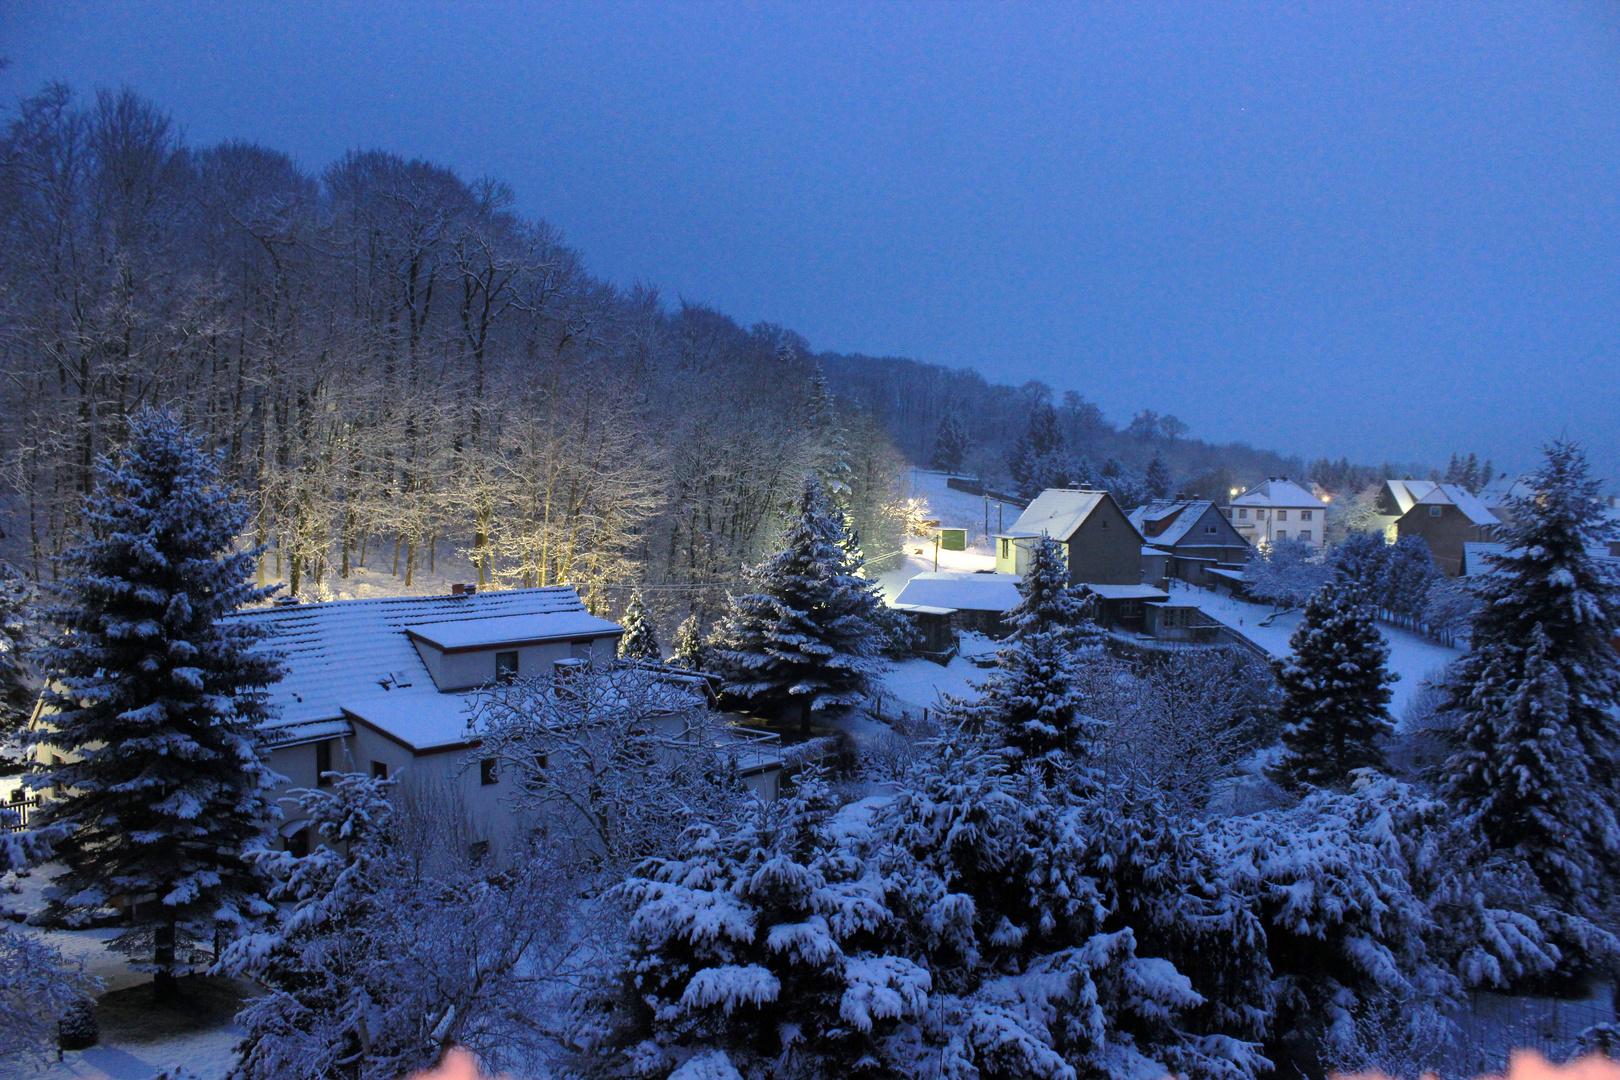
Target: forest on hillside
x=393 y=363
x=396 y=365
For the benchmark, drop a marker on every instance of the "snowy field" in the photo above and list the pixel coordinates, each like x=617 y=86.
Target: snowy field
x=1413 y=657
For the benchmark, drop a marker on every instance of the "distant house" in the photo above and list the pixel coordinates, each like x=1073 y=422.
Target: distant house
x=1446 y=516
x=965 y=599
x=1194 y=534
x=386 y=687
x=1278 y=509
x=1101 y=544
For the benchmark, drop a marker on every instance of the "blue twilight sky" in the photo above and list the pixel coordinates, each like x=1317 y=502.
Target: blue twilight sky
x=1381 y=230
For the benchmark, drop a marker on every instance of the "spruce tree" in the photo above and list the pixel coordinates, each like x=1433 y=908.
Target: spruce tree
x=807 y=633
x=1336 y=694
x=829 y=447
x=691 y=651
x=950 y=443
x=640 y=641
x=1049 y=603
x=1157 y=479
x=1409 y=574
x=1361 y=560
x=155 y=703
x=1538 y=757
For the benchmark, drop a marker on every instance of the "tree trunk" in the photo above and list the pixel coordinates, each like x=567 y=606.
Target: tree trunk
x=164 y=986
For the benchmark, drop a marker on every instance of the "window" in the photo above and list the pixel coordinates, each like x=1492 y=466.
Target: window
x=1105 y=523
x=542 y=762
x=1209 y=529
x=1282 y=534
x=506 y=665
x=1304 y=534
x=486 y=772
x=1434 y=511
x=379 y=770
x=1305 y=515
x=1004 y=549
x=298 y=844
x=1282 y=515
x=1243 y=515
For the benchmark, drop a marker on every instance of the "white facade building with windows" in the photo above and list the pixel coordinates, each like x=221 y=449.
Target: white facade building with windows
x=1279 y=509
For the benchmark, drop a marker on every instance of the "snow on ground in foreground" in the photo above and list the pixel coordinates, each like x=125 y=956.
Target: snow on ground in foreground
x=1413 y=656
x=917 y=684
x=209 y=1054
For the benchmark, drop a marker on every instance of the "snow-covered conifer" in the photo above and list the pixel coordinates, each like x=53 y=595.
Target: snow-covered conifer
x=1049 y=603
x=765 y=946
x=156 y=701
x=640 y=641
x=1361 y=560
x=691 y=651
x=1157 y=481
x=804 y=635
x=1538 y=762
x=830 y=453
x=1031 y=704
x=950 y=443
x=1409 y=573
x=1335 y=684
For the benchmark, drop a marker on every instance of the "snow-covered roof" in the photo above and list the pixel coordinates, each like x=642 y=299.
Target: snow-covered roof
x=1058 y=512
x=1181 y=517
x=1406 y=493
x=962 y=590
x=420 y=717
x=1126 y=592
x=485 y=633
x=1154 y=552
x=1277 y=491
x=923 y=609
x=349 y=650
x=1460 y=497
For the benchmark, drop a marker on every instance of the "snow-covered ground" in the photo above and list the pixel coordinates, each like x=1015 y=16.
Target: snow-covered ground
x=209 y=1054
x=953 y=510
x=1414 y=657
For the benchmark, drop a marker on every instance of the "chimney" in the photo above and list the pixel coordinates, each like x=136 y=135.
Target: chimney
x=459 y=589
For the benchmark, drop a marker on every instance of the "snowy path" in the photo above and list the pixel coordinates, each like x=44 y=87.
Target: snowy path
x=1414 y=657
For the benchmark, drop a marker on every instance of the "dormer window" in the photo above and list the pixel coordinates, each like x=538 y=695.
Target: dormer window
x=506 y=665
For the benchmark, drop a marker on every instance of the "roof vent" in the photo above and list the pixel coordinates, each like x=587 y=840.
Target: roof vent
x=459 y=589
x=285 y=601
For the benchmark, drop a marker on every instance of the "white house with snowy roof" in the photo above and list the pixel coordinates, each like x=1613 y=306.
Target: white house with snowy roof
x=387 y=687
x=1278 y=509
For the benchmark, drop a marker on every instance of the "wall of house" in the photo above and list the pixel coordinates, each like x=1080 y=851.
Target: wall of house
x=1262 y=523
x=1445 y=534
x=1106 y=549
x=461 y=670
x=457 y=770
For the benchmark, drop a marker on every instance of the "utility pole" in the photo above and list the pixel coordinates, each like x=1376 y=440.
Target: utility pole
x=987 y=519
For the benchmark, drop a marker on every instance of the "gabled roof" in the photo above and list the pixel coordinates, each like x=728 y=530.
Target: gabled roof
x=1177 y=520
x=962 y=590
x=461 y=635
x=351 y=650
x=1460 y=497
x=1059 y=512
x=1406 y=493
x=1277 y=491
